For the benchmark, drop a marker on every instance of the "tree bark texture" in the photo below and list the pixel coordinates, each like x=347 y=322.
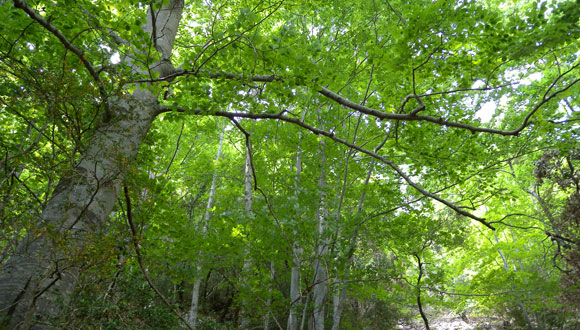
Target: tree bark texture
x=320 y=271
x=248 y=199
x=47 y=261
x=41 y=274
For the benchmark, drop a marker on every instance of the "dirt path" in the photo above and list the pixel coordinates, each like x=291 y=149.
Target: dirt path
x=456 y=323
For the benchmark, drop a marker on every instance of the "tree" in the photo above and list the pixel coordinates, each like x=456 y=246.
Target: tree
x=40 y=270
x=415 y=74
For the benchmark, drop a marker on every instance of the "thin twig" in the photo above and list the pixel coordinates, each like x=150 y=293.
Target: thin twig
x=30 y=147
x=140 y=260
x=401 y=19
x=176 y=149
x=256 y=187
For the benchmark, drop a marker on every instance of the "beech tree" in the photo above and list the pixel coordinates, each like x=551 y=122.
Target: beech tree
x=385 y=117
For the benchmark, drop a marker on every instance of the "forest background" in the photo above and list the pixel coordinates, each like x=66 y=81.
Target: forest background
x=289 y=164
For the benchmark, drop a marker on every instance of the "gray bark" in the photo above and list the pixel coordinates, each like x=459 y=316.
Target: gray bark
x=320 y=270
x=304 y=312
x=294 y=291
x=297 y=251
x=44 y=266
x=269 y=300
x=41 y=274
x=194 y=309
x=245 y=317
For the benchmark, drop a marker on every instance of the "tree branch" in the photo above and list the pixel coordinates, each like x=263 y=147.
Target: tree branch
x=79 y=53
x=423 y=315
x=140 y=260
x=413 y=116
x=255 y=177
x=330 y=135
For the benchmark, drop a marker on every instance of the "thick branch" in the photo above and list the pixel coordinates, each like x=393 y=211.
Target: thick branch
x=439 y=121
x=412 y=116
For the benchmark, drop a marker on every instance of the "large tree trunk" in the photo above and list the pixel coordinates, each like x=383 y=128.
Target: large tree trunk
x=41 y=274
x=46 y=262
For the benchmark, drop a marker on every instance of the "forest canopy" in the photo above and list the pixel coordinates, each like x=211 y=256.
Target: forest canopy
x=261 y=164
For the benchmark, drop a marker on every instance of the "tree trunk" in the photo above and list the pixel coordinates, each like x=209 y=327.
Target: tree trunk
x=41 y=274
x=419 y=304
x=245 y=318
x=47 y=261
x=518 y=300
x=269 y=300
x=297 y=251
x=194 y=309
x=320 y=270
x=294 y=291
x=340 y=295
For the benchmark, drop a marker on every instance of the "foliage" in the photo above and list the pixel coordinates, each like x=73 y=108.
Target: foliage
x=372 y=146
x=556 y=172
x=132 y=306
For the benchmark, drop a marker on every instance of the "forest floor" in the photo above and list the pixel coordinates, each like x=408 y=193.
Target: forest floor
x=457 y=323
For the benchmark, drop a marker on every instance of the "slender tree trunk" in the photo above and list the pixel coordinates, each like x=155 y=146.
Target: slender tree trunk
x=245 y=322
x=518 y=300
x=294 y=290
x=320 y=270
x=194 y=308
x=296 y=250
x=340 y=290
x=419 y=304
x=520 y=303
x=304 y=313
x=269 y=300
x=340 y=296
